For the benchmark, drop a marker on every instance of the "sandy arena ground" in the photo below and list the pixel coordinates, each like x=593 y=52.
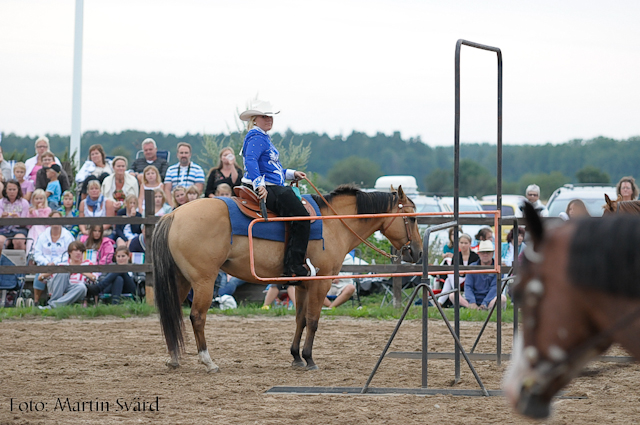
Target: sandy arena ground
x=117 y=361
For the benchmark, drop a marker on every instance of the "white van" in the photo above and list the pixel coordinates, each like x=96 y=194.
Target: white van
x=408 y=183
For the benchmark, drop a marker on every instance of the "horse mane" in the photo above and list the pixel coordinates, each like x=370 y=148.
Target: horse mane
x=632 y=207
x=366 y=202
x=604 y=255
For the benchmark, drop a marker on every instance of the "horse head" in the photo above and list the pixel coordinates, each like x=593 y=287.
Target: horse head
x=403 y=233
x=544 y=358
x=611 y=207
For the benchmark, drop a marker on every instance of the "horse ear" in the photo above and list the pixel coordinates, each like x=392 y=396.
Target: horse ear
x=401 y=194
x=608 y=201
x=392 y=189
x=534 y=224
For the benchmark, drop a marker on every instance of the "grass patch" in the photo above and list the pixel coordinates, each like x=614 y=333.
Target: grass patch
x=126 y=309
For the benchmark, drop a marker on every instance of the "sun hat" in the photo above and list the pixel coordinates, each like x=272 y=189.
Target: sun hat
x=485 y=246
x=258 y=107
x=54 y=167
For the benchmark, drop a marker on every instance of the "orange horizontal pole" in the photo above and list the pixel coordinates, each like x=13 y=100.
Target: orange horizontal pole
x=356 y=216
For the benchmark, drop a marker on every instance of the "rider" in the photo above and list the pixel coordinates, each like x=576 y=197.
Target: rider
x=266 y=176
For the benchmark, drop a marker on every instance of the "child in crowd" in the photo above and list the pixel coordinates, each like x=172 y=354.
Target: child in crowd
x=162 y=207
x=54 y=190
x=151 y=180
x=38 y=208
x=68 y=209
x=115 y=284
x=192 y=193
x=224 y=189
x=20 y=170
x=125 y=232
x=179 y=196
x=96 y=241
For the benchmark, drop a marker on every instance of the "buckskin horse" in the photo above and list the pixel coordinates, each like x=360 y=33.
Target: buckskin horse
x=579 y=292
x=193 y=242
x=620 y=206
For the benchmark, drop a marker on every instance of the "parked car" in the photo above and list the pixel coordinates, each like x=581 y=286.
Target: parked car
x=510 y=207
x=467 y=203
x=591 y=195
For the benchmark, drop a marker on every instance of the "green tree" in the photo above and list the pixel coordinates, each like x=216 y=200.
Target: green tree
x=354 y=169
x=439 y=181
x=475 y=180
x=591 y=174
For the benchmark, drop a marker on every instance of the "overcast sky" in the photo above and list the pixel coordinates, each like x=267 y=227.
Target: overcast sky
x=570 y=67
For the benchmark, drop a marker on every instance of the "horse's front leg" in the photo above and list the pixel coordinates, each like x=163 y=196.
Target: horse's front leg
x=301 y=322
x=315 y=295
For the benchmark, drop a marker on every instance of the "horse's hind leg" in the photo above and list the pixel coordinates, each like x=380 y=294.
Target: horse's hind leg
x=202 y=296
x=301 y=322
x=315 y=299
x=183 y=290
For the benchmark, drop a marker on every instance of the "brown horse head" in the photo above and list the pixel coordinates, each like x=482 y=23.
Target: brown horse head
x=403 y=232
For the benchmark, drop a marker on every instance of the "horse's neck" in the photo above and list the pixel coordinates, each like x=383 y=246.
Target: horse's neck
x=364 y=227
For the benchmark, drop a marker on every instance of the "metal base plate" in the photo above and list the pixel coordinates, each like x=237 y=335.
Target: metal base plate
x=417 y=355
x=380 y=391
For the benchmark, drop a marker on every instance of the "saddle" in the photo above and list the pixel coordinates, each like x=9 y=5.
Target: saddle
x=249 y=204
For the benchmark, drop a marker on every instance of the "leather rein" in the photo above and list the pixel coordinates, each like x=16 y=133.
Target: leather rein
x=400 y=209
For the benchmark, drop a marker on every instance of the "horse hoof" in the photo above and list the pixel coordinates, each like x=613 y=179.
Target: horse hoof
x=213 y=369
x=172 y=364
x=314 y=367
x=298 y=364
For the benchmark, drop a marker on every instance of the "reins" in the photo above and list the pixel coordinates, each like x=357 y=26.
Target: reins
x=366 y=242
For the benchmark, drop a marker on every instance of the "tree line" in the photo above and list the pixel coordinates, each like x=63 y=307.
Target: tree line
x=359 y=158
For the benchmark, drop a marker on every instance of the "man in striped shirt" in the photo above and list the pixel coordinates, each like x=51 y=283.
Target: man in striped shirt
x=185 y=173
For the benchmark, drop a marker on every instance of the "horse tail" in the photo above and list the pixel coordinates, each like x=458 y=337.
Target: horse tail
x=166 y=288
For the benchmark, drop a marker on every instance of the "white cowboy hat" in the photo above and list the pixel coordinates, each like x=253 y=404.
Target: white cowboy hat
x=258 y=107
x=485 y=246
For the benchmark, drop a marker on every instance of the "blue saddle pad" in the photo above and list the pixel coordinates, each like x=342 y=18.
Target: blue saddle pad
x=271 y=230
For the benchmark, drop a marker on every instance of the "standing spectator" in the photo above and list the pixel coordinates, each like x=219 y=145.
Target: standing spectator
x=115 y=284
x=68 y=288
x=12 y=205
x=34 y=163
x=151 y=180
x=627 y=188
x=27 y=186
x=125 y=232
x=179 y=196
x=54 y=191
x=95 y=168
x=150 y=151
x=480 y=290
x=533 y=196
x=96 y=241
x=68 y=209
x=162 y=207
x=120 y=184
x=41 y=182
x=227 y=172
x=5 y=167
x=95 y=205
x=38 y=208
x=185 y=173
x=50 y=249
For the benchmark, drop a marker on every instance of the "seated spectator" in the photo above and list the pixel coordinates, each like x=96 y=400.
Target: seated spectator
x=507 y=249
x=49 y=249
x=480 y=290
x=224 y=189
x=274 y=290
x=179 y=196
x=115 y=284
x=38 y=208
x=192 y=193
x=227 y=172
x=68 y=209
x=162 y=207
x=533 y=196
x=151 y=180
x=627 y=188
x=96 y=241
x=13 y=205
x=95 y=168
x=53 y=190
x=120 y=184
x=66 y=288
x=27 y=186
x=466 y=257
x=42 y=181
x=228 y=284
x=5 y=167
x=150 y=151
x=576 y=209
x=185 y=173
x=126 y=232
x=343 y=289
x=34 y=164
x=484 y=234
x=95 y=205
x=447 y=250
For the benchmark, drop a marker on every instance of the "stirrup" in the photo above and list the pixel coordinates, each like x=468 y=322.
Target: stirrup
x=314 y=270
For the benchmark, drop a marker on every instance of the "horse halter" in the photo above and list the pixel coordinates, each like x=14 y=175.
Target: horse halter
x=407 y=245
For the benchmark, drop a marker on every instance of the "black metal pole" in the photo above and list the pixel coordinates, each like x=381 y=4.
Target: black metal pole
x=456 y=213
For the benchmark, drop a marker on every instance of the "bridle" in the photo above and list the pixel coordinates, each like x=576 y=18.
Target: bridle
x=548 y=370
x=407 y=245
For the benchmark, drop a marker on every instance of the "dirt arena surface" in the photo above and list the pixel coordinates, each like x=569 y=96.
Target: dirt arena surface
x=61 y=364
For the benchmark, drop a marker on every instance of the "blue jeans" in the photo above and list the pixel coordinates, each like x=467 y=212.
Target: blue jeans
x=117 y=284
x=229 y=288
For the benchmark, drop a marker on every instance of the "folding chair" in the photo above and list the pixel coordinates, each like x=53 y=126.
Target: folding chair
x=161 y=154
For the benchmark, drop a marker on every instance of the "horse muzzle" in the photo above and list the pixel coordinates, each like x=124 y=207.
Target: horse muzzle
x=411 y=255
x=533 y=405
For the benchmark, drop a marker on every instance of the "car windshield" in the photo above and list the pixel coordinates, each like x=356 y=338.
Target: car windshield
x=594 y=206
x=465 y=205
x=506 y=209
